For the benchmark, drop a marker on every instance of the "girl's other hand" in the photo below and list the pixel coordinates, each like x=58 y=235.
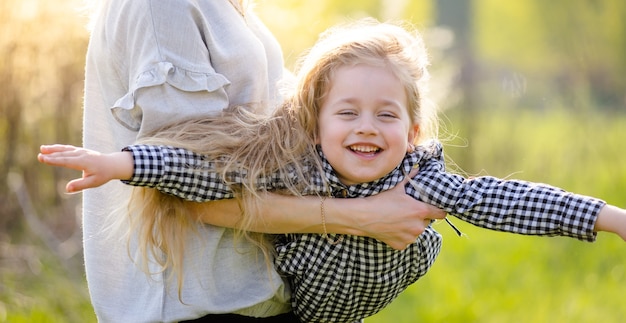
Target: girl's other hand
x=97 y=168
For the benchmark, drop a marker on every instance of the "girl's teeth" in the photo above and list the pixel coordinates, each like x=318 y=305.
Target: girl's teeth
x=364 y=149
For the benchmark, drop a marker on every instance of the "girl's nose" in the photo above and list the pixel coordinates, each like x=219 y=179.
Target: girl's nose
x=366 y=126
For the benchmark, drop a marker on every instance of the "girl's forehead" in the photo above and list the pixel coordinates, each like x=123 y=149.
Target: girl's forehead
x=357 y=63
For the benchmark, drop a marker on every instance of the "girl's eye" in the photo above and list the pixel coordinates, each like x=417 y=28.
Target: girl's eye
x=347 y=113
x=387 y=115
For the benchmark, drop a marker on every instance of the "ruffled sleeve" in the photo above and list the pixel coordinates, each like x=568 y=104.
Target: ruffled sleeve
x=180 y=60
x=129 y=111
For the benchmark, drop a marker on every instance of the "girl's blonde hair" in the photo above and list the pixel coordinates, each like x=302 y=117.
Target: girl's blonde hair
x=238 y=140
x=279 y=144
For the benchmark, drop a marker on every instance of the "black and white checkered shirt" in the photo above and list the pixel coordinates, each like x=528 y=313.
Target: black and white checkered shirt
x=360 y=276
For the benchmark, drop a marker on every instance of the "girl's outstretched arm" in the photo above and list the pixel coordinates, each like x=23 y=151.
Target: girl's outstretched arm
x=97 y=168
x=392 y=216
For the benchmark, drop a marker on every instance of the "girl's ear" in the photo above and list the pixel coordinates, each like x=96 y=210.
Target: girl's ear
x=413 y=134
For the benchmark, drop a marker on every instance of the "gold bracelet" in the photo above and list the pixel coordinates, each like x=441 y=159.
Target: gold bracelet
x=325 y=234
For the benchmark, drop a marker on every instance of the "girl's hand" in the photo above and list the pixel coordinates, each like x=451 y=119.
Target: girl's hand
x=97 y=168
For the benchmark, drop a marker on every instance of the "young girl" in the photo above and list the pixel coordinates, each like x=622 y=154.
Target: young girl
x=357 y=125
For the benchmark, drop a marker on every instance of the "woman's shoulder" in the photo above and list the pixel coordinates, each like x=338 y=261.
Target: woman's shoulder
x=171 y=9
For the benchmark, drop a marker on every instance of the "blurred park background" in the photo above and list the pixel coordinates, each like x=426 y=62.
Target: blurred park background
x=530 y=89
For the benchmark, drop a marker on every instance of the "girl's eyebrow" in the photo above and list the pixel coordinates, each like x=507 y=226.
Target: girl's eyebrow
x=392 y=102
x=385 y=102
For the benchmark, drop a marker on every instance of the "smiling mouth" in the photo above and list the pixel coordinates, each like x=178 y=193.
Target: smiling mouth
x=365 y=149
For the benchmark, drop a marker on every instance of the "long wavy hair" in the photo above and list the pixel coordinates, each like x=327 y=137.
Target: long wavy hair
x=280 y=143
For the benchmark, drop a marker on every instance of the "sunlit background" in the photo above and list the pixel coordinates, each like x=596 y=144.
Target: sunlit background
x=529 y=89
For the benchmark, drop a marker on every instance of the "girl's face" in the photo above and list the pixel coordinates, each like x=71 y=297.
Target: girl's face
x=364 y=125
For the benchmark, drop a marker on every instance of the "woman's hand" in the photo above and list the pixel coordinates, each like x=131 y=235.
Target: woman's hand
x=97 y=168
x=395 y=217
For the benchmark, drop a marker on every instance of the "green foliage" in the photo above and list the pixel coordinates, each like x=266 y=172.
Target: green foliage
x=573 y=49
x=578 y=151
x=41 y=72
x=297 y=24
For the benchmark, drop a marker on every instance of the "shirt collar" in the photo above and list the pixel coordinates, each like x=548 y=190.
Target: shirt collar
x=384 y=183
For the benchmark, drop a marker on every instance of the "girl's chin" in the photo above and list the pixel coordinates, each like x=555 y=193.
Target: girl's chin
x=356 y=179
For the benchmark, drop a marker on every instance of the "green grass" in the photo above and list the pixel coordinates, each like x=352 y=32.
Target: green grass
x=37 y=287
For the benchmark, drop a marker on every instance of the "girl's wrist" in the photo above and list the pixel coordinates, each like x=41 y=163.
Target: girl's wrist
x=123 y=164
x=612 y=219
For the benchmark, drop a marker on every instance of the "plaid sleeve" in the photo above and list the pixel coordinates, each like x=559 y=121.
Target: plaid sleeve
x=506 y=205
x=177 y=172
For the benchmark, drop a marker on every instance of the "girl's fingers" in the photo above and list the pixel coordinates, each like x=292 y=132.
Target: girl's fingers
x=75 y=186
x=62 y=160
x=84 y=183
x=48 y=149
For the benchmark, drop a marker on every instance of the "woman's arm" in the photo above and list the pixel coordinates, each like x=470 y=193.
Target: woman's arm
x=392 y=217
